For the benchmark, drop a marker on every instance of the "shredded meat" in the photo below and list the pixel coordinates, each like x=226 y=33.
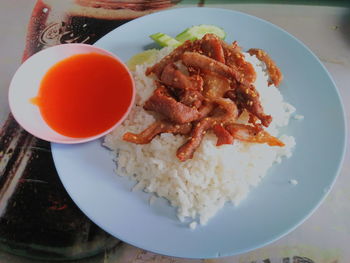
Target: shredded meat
x=173 y=77
x=174 y=56
x=215 y=86
x=274 y=72
x=235 y=59
x=156 y=128
x=229 y=115
x=175 y=111
x=206 y=64
x=229 y=111
x=203 y=86
x=230 y=55
x=224 y=137
x=251 y=134
x=191 y=98
x=206 y=108
x=187 y=150
x=158 y=68
x=248 y=98
x=212 y=47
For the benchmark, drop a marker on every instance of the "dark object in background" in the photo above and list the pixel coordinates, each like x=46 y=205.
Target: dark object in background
x=37 y=217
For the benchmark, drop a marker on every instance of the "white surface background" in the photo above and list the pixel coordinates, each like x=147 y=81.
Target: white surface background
x=325 y=236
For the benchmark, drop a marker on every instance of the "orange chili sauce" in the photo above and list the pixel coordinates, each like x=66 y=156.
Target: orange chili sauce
x=84 y=95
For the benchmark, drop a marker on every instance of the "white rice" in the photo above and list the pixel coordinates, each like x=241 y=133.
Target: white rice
x=293 y=181
x=201 y=186
x=298 y=117
x=193 y=225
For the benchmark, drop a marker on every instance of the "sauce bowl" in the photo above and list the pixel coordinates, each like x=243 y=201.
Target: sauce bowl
x=25 y=85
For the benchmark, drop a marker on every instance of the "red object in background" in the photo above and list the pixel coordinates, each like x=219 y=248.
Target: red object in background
x=56 y=22
x=37 y=217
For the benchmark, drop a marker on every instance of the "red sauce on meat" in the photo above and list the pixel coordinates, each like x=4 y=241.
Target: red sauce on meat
x=84 y=95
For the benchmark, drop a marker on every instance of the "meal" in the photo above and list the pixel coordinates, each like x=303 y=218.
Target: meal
x=205 y=125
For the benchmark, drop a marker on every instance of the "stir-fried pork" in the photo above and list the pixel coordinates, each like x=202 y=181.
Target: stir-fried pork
x=215 y=86
x=156 y=128
x=248 y=98
x=172 y=76
x=212 y=47
x=248 y=133
x=187 y=150
x=235 y=59
x=174 y=56
x=224 y=137
x=274 y=72
x=162 y=102
x=228 y=114
x=206 y=64
x=191 y=98
x=212 y=88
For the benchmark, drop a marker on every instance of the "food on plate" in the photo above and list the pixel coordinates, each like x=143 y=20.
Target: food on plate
x=208 y=89
x=274 y=72
x=205 y=126
x=84 y=95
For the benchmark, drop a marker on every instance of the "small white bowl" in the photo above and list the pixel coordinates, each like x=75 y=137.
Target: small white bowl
x=26 y=83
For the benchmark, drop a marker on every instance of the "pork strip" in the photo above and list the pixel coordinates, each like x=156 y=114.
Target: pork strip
x=211 y=46
x=206 y=64
x=156 y=128
x=236 y=59
x=206 y=108
x=215 y=85
x=172 y=76
x=174 y=56
x=187 y=150
x=248 y=97
x=224 y=137
x=175 y=111
x=229 y=111
x=274 y=72
x=251 y=134
x=191 y=98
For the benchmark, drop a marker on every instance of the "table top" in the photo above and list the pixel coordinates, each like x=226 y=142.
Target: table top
x=324 y=237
